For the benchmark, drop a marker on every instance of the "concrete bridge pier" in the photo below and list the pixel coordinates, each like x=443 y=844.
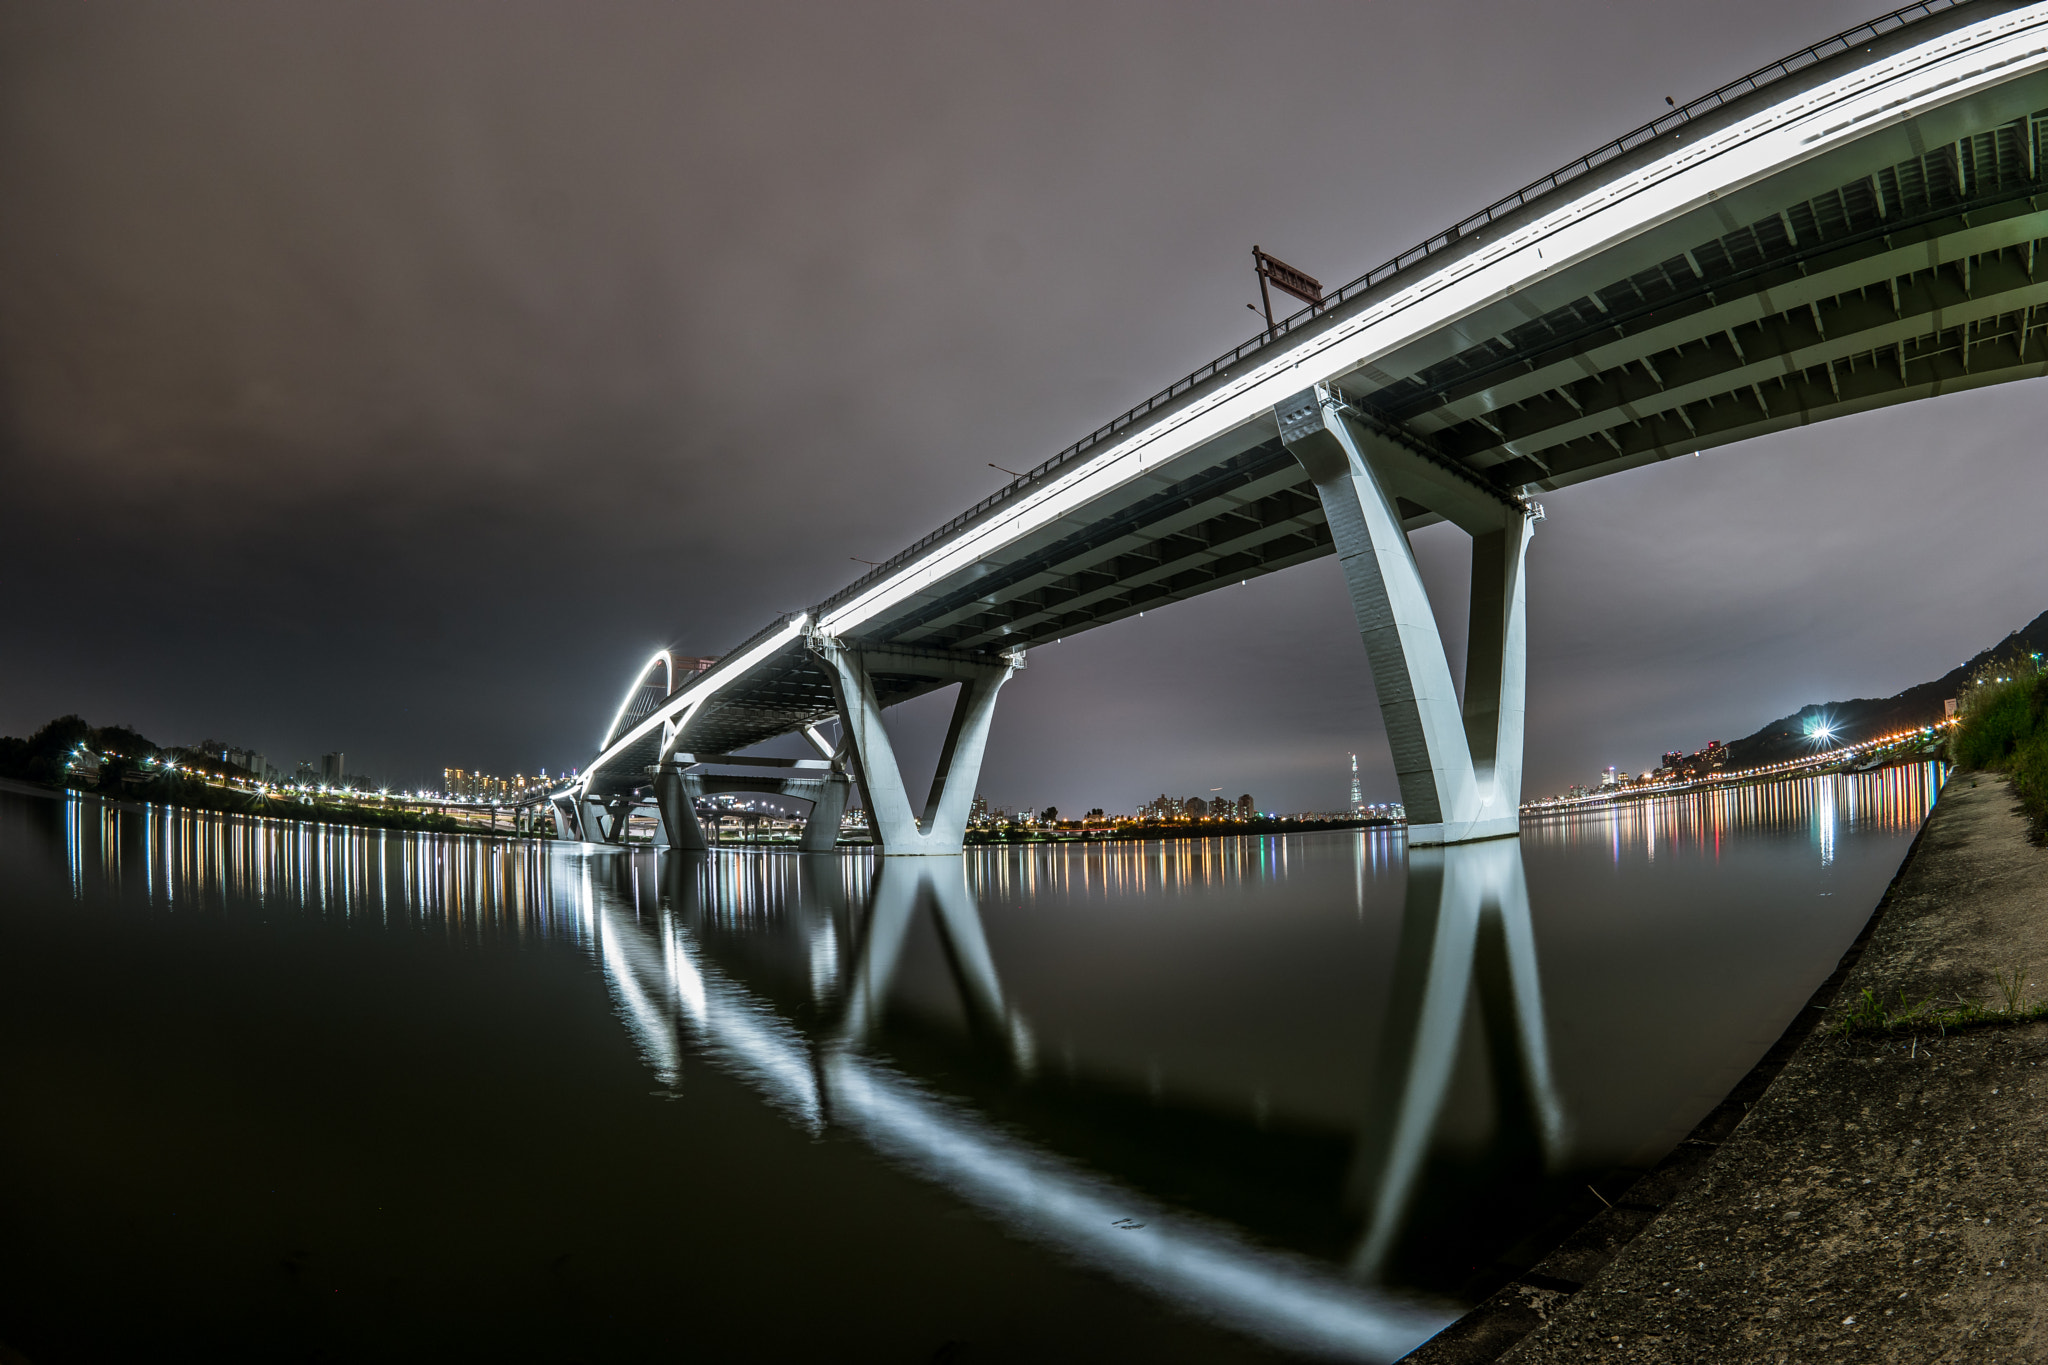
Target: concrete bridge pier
x=943 y=828
x=828 y=808
x=618 y=818
x=1460 y=768
x=680 y=828
x=562 y=810
x=677 y=791
x=590 y=820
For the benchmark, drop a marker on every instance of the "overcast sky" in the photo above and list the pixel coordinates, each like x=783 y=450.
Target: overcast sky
x=395 y=377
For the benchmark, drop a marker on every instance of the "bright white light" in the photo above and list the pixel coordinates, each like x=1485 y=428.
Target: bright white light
x=639 y=681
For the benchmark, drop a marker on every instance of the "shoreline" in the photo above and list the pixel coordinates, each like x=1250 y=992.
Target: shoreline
x=1635 y=795
x=21 y=788
x=17 y=787
x=1871 y=1193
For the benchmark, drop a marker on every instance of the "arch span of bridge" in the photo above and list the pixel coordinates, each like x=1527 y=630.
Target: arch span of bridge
x=1855 y=226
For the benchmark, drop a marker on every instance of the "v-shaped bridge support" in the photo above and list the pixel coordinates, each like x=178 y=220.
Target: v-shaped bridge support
x=943 y=828
x=1460 y=774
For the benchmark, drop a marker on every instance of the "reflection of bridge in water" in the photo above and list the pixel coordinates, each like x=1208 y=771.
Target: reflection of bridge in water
x=668 y=976
x=1466 y=937
x=794 y=974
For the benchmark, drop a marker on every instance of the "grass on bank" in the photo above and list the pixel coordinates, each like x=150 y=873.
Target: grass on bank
x=2004 y=726
x=1872 y=1015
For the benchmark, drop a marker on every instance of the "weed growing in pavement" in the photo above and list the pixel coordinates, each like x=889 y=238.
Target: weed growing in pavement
x=1871 y=1015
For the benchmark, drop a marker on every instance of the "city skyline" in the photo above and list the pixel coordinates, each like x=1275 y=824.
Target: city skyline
x=350 y=404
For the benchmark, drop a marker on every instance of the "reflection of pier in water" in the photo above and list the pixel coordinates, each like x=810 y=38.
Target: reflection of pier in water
x=668 y=984
x=1466 y=938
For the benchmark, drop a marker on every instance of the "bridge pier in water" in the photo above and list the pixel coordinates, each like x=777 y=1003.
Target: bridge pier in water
x=866 y=745
x=1460 y=768
x=680 y=828
x=676 y=792
x=591 y=822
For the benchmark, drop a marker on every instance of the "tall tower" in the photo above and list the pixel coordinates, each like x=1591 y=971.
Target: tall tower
x=1357 y=801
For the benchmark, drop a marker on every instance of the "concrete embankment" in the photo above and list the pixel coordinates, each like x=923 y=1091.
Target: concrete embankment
x=1883 y=1198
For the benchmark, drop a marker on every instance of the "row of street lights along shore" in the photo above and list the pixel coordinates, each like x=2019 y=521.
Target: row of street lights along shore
x=83 y=760
x=1830 y=758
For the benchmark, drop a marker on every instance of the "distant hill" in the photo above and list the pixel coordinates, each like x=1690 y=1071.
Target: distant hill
x=1866 y=717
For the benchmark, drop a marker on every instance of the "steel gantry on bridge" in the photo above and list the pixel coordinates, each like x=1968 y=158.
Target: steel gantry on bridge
x=1858 y=225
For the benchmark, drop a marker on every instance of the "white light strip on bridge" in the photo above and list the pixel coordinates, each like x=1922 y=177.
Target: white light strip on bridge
x=639 y=681
x=701 y=691
x=1947 y=68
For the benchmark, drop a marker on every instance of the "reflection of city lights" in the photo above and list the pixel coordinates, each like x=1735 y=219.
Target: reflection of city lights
x=1925 y=733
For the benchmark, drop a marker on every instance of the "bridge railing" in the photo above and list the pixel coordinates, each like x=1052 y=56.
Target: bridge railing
x=1415 y=255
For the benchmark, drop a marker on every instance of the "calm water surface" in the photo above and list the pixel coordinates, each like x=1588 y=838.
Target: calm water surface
x=274 y=1091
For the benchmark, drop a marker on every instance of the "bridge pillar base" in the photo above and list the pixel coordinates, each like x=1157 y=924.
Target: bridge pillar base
x=1460 y=768
x=563 y=813
x=821 y=830
x=591 y=822
x=680 y=828
x=942 y=831
x=1440 y=835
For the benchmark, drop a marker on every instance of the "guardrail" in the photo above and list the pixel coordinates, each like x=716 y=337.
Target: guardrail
x=1381 y=274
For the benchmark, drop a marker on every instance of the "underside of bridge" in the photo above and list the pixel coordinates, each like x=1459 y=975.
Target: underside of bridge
x=1899 y=264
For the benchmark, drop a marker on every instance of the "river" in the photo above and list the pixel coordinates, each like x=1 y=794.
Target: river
x=295 y=1092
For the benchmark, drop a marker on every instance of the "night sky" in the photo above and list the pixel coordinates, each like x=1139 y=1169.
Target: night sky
x=395 y=377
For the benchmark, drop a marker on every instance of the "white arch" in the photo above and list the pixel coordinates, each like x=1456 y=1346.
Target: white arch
x=681 y=705
x=668 y=685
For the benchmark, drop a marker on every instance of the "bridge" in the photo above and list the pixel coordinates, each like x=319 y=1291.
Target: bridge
x=1855 y=226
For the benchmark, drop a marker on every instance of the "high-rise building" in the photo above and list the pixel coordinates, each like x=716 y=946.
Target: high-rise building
x=1162 y=807
x=333 y=772
x=1357 y=798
